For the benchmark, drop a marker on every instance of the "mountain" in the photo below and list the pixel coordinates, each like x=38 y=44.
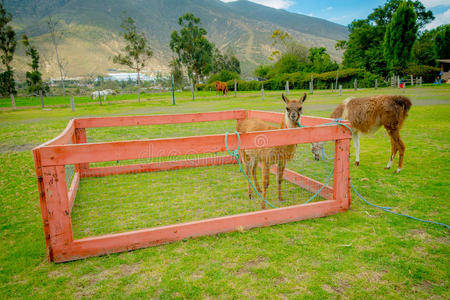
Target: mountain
x=90 y=30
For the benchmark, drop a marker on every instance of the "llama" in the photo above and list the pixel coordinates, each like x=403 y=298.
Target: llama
x=368 y=114
x=279 y=155
x=221 y=87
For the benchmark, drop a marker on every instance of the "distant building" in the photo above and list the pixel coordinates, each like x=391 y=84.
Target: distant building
x=128 y=76
x=445 y=69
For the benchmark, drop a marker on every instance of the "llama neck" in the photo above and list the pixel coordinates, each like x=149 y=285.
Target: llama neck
x=288 y=122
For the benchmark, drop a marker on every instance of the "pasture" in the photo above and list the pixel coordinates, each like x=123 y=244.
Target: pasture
x=362 y=253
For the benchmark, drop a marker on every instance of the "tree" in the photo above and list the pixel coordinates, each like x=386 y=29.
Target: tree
x=136 y=52
x=56 y=37
x=177 y=72
x=7 y=48
x=192 y=48
x=442 y=41
x=423 y=51
x=364 y=48
x=383 y=15
x=320 y=61
x=400 y=36
x=281 y=39
x=226 y=61
x=33 y=78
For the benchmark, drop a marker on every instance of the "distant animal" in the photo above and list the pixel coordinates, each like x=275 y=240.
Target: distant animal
x=368 y=114
x=96 y=94
x=279 y=155
x=221 y=87
x=109 y=92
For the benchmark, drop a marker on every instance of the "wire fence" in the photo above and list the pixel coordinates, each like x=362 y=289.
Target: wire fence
x=119 y=203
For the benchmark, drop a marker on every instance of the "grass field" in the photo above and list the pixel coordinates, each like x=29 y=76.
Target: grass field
x=362 y=253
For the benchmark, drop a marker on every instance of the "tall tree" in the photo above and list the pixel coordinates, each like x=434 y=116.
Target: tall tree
x=443 y=41
x=56 y=35
x=423 y=51
x=320 y=61
x=33 y=78
x=400 y=36
x=177 y=72
x=364 y=48
x=136 y=52
x=193 y=49
x=7 y=48
x=225 y=61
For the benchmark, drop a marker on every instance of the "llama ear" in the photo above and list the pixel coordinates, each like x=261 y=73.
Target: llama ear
x=286 y=100
x=302 y=99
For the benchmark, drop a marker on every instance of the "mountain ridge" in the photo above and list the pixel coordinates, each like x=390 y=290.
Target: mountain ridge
x=92 y=27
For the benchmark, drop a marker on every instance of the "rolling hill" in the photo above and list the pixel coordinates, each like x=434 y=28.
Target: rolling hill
x=91 y=30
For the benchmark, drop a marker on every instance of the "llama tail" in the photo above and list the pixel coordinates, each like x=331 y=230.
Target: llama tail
x=404 y=102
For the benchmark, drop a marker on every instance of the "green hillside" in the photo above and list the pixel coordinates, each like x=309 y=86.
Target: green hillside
x=91 y=30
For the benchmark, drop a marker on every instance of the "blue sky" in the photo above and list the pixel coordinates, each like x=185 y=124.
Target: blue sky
x=344 y=12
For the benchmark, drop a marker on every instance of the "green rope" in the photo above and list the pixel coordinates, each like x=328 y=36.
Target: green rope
x=235 y=154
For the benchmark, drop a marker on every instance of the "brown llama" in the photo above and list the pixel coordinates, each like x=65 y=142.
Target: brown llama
x=279 y=155
x=368 y=114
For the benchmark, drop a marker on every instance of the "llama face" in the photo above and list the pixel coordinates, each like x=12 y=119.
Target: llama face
x=316 y=149
x=293 y=107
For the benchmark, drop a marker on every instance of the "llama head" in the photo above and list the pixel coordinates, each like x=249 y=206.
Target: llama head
x=316 y=149
x=293 y=107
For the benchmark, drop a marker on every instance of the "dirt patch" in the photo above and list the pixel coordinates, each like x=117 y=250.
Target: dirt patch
x=4 y=148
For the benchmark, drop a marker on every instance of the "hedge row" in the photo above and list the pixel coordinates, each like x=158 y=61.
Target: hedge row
x=300 y=80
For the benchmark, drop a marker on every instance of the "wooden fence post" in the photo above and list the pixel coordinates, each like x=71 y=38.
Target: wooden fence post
x=398 y=81
x=235 y=87
x=342 y=173
x=59 y=221
x=287 y=87
x=262 y=90
x=355 y=84
x=72 y=103
x=42 y=98
x=311 y=87
x=412 y=80
x=193 y=92
x=376 y=83
x=332 y=87
x=13 y=101
x=340 y=90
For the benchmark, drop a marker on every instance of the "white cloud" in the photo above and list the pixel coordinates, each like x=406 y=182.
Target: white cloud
x=441 y=19
x=329 y=7
x=434 y=3
x=271 y=3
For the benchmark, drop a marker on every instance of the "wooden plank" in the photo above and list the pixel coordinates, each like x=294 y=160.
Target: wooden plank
x=73 y=189
x=60 y=227
x=159 y=119
x=342 y=173
x=158 y=166
x=305 y=182
x=274 y=117
x=42 y=201
x=80 y=138
x=112 y=243
x=123 y=150
x=64 y=138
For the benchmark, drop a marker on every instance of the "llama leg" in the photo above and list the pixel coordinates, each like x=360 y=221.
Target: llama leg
x=393 y=151
x=266 y=173
x=280 y=171
x=254 y=169
x=355 y=138
x=400 y=147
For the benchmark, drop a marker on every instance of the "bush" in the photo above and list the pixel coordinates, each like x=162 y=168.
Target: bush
x=300 y=80
x=223 y=76
x=428 y=73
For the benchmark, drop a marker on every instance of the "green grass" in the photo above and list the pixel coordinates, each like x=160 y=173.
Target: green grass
x=362 y=253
